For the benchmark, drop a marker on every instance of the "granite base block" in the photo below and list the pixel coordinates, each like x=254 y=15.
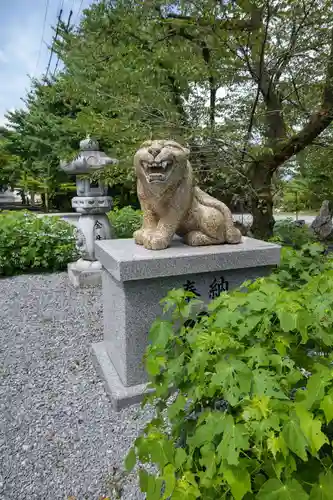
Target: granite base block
x=85 y=273
x=119 y=395
x=134 y=281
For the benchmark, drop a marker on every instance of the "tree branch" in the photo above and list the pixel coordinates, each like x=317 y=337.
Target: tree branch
x=276 y=127
x=298 y=96
x=289 y=53
x=225 y=24
x=318 y=122
x=206 y=54
x=256 y=100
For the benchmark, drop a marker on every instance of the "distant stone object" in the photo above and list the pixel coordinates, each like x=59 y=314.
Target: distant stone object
x=322 y=226
x=173 y=204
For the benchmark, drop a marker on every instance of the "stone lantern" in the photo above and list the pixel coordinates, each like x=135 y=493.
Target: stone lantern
x=91 y=203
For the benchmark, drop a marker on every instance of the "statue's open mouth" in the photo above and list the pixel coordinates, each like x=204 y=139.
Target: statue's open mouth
x=157 y=171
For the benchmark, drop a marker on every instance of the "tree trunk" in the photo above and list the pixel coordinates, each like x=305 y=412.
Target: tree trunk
x=42 y=195
x=46 y=201
x=23 y=198
x=262 y=202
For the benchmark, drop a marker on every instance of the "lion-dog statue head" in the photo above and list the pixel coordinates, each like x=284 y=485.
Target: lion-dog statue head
x=161 y=163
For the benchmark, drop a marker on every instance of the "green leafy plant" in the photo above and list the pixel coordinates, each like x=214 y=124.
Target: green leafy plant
x=298 y=266
x=30 y=243
x=125 y=221
x=286 y=232
x=252 y=410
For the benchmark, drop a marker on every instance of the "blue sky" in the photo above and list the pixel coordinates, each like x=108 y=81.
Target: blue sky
x=21 y=34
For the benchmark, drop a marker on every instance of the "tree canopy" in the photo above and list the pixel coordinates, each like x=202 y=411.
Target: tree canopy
x=248 y=85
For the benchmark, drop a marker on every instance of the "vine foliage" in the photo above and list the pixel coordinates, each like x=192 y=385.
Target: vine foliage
x=251 y=413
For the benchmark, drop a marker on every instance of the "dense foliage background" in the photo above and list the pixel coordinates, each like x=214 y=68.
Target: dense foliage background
x=246 y=84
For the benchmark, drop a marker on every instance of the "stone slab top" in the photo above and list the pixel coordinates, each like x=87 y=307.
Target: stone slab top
x=126 y=261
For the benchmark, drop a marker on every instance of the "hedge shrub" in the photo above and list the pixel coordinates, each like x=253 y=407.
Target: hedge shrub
x=125 y=221
x=287 y=232
x=29 y=243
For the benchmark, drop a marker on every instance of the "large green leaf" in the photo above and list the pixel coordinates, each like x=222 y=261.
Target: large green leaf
x=239 y=481
x=169 y=480
x=294 y=438
x=327 y=406
x=315 y=388
x=160 y=333
x=235 y=439
x=323 y=490
x=234 y=379
x=130 y=460
x=311 y=428
x=274 y=489
x=212 y=426
x=288 y=320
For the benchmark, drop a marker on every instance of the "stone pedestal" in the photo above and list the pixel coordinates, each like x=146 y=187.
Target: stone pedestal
x=84 y=273
x=136 y=279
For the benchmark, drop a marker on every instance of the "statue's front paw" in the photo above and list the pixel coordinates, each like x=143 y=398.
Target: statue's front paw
x=233 y=235
x=139 y=236
x=156 y=242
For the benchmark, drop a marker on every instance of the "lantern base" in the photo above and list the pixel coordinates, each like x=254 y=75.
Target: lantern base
x=85 y=273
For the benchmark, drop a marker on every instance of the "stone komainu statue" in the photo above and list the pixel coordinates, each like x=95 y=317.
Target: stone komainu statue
x=172 y=204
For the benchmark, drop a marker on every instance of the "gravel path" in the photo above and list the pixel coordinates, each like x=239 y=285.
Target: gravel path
x=59 y=436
